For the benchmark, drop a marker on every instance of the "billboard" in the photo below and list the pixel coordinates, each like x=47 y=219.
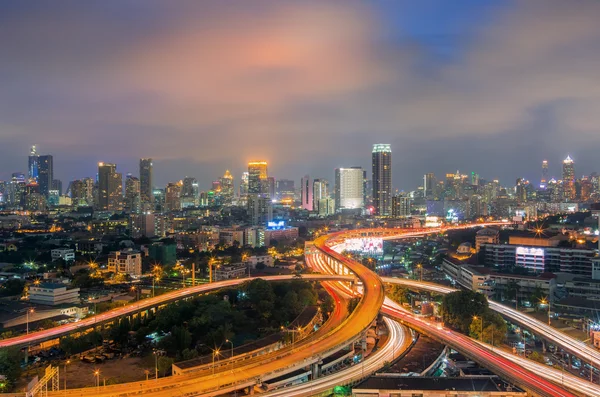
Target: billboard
x=370 y=245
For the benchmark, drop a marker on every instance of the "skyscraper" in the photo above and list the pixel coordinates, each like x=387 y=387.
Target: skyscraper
x=173 y=196
x=568 y=178
x=349 y=188
x=401 y=206
x=544 y=180
x=382 y=179
x=320 y=192
x=227 y=188
x=110 y=187
x=45 y=174
x=244 y=184
x=257 y=175
x=146 y=194
x=132 y=194
x=190 y=193
x=306 y=188
x=428 y=184
x=33 y=165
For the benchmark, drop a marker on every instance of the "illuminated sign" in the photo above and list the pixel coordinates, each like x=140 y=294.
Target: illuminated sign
x=432 y=221
x=371 y=245
x=276 y=225
x=530 y=251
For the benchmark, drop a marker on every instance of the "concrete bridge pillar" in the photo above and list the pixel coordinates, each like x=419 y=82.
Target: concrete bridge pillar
x=316 y=370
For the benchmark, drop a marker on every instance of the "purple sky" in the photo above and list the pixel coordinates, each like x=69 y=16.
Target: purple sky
x=307 y=85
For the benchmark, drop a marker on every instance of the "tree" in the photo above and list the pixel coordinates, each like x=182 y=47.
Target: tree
x=458 y=309
x=9 y=367
x=398 y=293
x=536 y=356
x=352 y=303
x=512 y=290
x=12 y=287
x=165 y=364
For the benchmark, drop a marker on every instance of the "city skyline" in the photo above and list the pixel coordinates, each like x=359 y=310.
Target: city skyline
x=462 y=86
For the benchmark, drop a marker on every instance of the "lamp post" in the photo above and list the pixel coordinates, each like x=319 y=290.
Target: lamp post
x=155 y=279
x=215 y=353
x=66 y=362
x=30 y=310
x=481 y=319
x=155 y=365
x=231 y=357
x=420 y=267
x=545 y=301
x=97 y=375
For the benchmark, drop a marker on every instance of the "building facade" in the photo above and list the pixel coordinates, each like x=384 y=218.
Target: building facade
x=382 y=179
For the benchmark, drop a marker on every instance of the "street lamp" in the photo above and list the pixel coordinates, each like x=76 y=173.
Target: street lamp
x=543 y=302
x=231 y=357
x=66 y=362
x=215 y=353
x=97 y=375
x=30 y=310
x=481 y=334
x=420 y=267
x=155 y=279
x=155 y=365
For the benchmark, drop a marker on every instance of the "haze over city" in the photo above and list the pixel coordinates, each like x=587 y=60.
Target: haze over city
x=479 y=86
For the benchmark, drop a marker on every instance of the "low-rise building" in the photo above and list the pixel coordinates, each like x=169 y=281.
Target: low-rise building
x=231 y=271
x=125 y=261
x=52 y=294
x=66 y=254
x=486 y=236
x=266 y=259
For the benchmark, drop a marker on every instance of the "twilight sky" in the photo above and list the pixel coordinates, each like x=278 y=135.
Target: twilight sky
x=493 y=87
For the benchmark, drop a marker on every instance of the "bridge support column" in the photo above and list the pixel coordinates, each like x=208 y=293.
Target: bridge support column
x=543 y=346
x=316 y=371
x=251 y=390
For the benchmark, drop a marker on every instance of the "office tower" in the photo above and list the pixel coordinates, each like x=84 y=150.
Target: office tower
x=110 y=187
x=382 y=179
x=227 y=188
x=320 y=192
x=544 y=180
x=285 y=189
x=146 y=183
x=326 y=207
x=45 y=174
x=306 y=193
x=173 y=196
x=568 y=179
x=257 y=174
x=132 y=194
x=57 y=185
x=190 y=193
x=474 y=179
x=349 y=188
x=521 y=190
x=142 y=225
x=401 y=206
x=428 y=185
x=260 y=210
x=270 y=187
x=33 y=164
x=244 y=184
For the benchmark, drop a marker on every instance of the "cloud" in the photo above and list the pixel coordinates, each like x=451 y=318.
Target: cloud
x=307 y=85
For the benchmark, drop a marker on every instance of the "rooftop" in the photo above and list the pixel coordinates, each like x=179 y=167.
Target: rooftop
x=475 y=384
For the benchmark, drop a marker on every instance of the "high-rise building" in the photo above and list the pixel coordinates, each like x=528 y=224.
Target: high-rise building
x=132 y=194
x=428 y=185
x=320 y=192
x=285 y=189
x=401 y=206
x=349 y=188
x=257 y=175
x=110 y=187
x=33 y=164
x=58 y=186
x=270 y=187
x=568 y=179
x=382 y=179
x=173 y=196
x=260 y=210
x=244 y=184
x=146 y=187
x=306 y=193
x=544 y=180
x=190 y=193
x=45 y=174
x=227 y=188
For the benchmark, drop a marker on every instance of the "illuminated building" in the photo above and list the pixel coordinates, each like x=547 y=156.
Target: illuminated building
x=544 y=180
x=33 y=164
x=259 y=209
x=320 y=191
x=568 y=179
x=125 y=262
x=349 y=188
x=81 y=192
x=45 y=174
x=257 y=175
x=132 y=194
x=382 y=179
x=173 y=196
x=110 y=188
x=285 y=189
x=227 y=188
x=326 y=207
x=521 y=190
x=270 y=187
x=306 y=193
x=244 y=184
x=401 y=206
x=190 y=194
x=146 y=171
x=429 y=185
